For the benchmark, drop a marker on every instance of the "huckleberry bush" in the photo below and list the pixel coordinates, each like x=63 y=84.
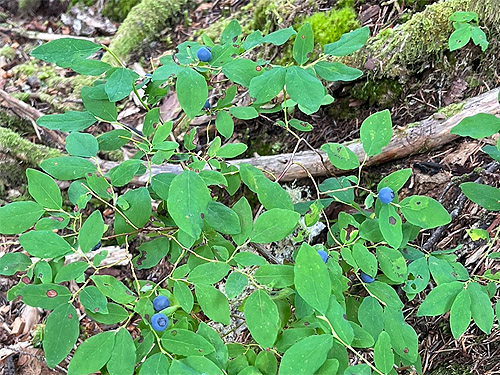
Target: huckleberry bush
x=333 y=302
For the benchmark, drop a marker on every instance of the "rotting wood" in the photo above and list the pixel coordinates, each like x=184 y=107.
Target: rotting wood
x=426 y=135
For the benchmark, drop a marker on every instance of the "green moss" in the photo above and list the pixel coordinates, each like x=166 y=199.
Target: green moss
x=383 y=92
x=143 y=24
x=22 y=149
x=452 y=109
x=118 y=10
x=84 y=2
x=329 y=26
x=29 y=68
x=395 y=52
x=8 y=52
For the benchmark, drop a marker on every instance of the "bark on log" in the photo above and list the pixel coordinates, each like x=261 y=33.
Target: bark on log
x=424 y=136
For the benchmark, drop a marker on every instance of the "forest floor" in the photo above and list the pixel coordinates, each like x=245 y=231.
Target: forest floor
x=417 y=98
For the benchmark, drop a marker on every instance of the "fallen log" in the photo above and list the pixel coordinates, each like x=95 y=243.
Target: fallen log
x=420 y=137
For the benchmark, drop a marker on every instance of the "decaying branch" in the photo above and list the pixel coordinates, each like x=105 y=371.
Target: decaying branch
x=416 y=138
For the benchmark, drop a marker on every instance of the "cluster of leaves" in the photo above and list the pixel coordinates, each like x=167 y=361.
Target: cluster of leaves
x=306 y=316
x=466 y=25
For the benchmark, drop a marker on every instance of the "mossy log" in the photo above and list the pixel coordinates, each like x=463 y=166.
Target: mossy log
x=404 y=49
x=144 y=23
x=431 y=133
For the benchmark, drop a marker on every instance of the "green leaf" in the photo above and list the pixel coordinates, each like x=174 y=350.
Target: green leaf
x=312 y=280
x=424 y=212
x=157 y=364
x=244 y=212
x=116 y=314
x=213 y=303
x=440 y=299
x=92 y=354
x=390 y=225
x=231 y=32
x=370 y=315
x=125 y=172
x=235 y=284
x=484 y=195
x=44 y=189
x=253 y=40
x=460 y=314
x=335 y=71
x=71 y=271
x=18 y=217
x=358 y=370
x=365 y=259
x=120 y=83
x=304 y=88
x=137 y=208
x=479 y=38
x=482 y=311
x=339 y=188
x=68 y=167
x=101 y=108
x=348 y=43
x=442 y=272
x=395 y=180
x=47 y=296
x=267 y=363
x=70 y=121
x=404 y=339
x=330 y=367
x=220 y=355
x=187 y=343
x=392 y=263
x=241 y=71
x=341 y=156
x=89 y=67
x=384 y=293
x=336 y=315
x=304 y=44
x=418 y=276
x=192 y=91
x=306 y=356
x=152 y=252
x=91 y=232
x=247 y=259
x=113 y=288
x=275 y=275
x=187 y=202
x=224 y=124
x=82 y=144
x=382 y=353
x=208 y=273
x=231 y=150
x=160 y=184
x=265 y=87
x=194 y=365
x=61 y=332
x=64 y=50
x=262 y=318
x=376 y=132
x=10 y=263
x=92 y=299
x=184 y=296
x=478 y=126
x=44 y=244
x=279 y=37
x=244 y=113
x=459 y=38
x=274 y=225
x=113 y=139
x=122 y=359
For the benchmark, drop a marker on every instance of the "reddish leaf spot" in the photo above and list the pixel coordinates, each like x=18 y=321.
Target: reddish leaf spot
x=258 y=68
x=76 y=208
x=96 y=309
x=89 y=174
x=51 y=293
x=302 y=36
x=70 y=316
x=392 y=220
x=202 y=215
x=406 y=350
x=109 y=190
x=26 y=280
x=174 y=332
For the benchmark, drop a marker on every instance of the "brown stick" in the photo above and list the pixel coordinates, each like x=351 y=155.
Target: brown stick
x=31 y=114
x=430 y=133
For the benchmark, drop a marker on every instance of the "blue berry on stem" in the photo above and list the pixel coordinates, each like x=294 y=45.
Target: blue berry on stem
x=367 y=278
x=160 y=303
x=97 y=247
x=207 y=105
x=159 y=322
x=386 y=195
x=204 y=54
x=324 y=255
